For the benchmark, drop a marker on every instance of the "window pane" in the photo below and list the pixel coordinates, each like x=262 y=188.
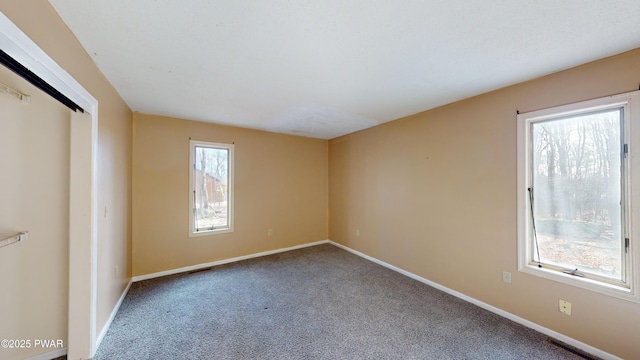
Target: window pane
x=211 y=195
x=577 y=192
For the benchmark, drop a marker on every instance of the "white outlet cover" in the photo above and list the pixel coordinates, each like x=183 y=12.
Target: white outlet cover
x=506 y=277
x=565 y=307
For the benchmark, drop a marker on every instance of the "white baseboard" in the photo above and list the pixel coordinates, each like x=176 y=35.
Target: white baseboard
x=106 y=326
x=565 y=339
x=221 y=262
x=50 y=355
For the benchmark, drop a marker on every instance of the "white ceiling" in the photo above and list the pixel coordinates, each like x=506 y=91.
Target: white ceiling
x=325 y=68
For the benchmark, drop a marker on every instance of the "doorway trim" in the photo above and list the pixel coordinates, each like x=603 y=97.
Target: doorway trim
x=81 y=342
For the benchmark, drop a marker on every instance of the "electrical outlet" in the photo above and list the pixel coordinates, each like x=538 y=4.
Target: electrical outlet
x=565 y=307
x=357 y=232
x=269 y=232
x=506 y=277
x=117 y=271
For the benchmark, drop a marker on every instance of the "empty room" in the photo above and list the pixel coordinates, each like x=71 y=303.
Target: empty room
x=319 y=179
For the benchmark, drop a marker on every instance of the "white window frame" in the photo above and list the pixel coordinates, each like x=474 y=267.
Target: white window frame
x=630 y=102
x=193 y=232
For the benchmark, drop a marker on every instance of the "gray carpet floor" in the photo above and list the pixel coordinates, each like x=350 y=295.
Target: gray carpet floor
x=315 y=303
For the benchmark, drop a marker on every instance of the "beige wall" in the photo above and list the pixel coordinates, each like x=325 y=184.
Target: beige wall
x=42 y=24
x=34 y=188
x=435 y=194
x=280 y=183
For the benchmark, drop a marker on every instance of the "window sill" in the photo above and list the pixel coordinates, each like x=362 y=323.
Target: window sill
x=612 y=290
x=210 y=232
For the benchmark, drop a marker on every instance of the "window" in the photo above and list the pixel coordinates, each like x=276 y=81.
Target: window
x=210 y=188
x=576 y=191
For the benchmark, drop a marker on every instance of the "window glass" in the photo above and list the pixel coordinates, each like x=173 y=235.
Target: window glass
x=576 y=183
x=211 y=187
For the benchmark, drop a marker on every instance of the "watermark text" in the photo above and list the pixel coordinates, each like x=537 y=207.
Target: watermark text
x=31 y=343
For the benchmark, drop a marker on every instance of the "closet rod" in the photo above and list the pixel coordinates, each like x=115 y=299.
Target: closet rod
x=4 y=88
x=8 y=240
